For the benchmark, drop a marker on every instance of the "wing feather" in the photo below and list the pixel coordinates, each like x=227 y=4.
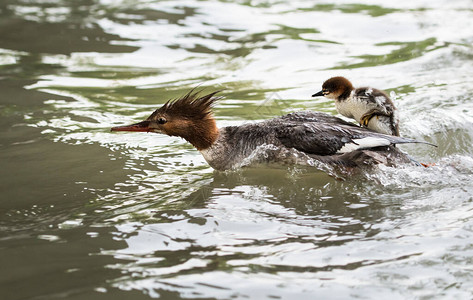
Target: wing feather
x=328 y=138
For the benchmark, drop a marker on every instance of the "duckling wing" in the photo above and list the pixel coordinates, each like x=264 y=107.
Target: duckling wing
x=376 y=99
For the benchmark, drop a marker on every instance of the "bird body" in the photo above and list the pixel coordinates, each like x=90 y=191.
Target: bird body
x=292 y=138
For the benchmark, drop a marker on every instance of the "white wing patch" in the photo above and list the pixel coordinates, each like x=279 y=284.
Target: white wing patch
x=364 y=143
x=380 y=100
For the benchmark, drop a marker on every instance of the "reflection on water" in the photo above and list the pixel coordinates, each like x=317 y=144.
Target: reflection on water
x=86 y=213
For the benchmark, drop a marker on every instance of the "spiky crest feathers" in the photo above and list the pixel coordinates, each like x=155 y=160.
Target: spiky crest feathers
x=191 y=106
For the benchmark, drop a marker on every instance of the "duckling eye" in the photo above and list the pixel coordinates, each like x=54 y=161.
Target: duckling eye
x=162 y=120
x=326 y=92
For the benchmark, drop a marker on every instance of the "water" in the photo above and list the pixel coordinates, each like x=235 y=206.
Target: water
x=89 y=214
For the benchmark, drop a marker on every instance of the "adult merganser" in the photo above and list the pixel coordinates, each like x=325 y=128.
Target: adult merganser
x=370 y=107
x=292 y=138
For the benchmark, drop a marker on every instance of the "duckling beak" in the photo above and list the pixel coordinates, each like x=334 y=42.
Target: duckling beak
x=321 y=93
x=138 y=127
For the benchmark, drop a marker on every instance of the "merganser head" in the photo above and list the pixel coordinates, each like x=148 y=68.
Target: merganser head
x=337 y=88
x=189 y=117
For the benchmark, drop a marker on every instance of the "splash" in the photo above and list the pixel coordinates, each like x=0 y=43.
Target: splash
x=454 y=170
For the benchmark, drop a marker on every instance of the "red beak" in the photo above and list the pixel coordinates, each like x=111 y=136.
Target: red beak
x=138 y=127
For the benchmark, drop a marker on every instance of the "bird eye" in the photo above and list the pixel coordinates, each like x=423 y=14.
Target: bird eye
x=326 y=92
x=162 y=120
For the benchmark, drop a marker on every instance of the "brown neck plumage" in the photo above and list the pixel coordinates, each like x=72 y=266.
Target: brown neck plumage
x=202 y=134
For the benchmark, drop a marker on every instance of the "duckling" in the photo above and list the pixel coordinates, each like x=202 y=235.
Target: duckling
x=370 y=107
